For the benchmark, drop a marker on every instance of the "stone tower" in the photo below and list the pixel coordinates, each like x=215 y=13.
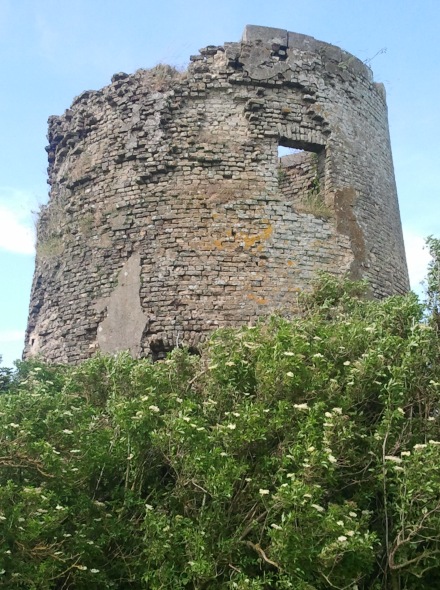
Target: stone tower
x=171 y=212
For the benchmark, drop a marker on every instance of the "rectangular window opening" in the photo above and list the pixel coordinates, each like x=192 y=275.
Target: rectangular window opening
x=301 y=175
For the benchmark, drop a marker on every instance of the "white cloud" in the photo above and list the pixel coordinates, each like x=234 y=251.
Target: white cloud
x=47 y=37
x=10 y=336
x=11 y=346
x=418 y=258
x=16 y=221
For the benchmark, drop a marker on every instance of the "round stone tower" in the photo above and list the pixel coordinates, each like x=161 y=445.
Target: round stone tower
x=171 y=212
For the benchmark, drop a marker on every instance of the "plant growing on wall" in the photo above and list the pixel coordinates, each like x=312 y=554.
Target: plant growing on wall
x=313 y=201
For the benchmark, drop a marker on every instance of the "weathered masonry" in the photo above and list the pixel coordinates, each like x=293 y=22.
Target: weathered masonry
x=171 y=212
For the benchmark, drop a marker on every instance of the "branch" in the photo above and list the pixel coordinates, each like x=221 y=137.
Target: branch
x=256 y=547
x=23 y=462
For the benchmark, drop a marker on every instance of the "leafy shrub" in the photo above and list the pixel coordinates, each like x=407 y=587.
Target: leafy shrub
x=292 y=455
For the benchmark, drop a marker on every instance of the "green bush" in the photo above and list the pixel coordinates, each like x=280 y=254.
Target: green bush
x=292 y=455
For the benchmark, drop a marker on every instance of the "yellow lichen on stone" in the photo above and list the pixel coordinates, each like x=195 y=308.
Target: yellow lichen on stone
x=259 y=300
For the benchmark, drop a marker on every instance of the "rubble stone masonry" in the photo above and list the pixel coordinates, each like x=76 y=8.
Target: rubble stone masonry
x=171 y=214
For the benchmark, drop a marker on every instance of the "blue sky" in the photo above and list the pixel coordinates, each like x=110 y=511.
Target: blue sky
x=52 y=50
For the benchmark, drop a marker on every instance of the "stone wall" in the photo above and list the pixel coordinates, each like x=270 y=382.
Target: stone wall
x=171 y=214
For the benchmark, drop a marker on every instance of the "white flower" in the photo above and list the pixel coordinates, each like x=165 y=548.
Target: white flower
x=130 y=457
x=327 y=415
x=67 y=431
x=318 y=355
x=231 y=426
x=349 y=533
x=289 y=374
x=148 y=506
x=332 y=459
x=342 y=538
x=82 y=567
x=301 y=406
x=337 y=410
x=405 y=453
x=352 y=514
x=340 y=522
x=212 y=367
x=310 y=449
x=318 y=507
x=154 y=409
x=288 y=353
x=14 y=425
x=75 y=451
x=276 y=527
x=179 y=400
x=230 y=364
x=419 y=447
x=263 y=492
x=223 y=454
x=434 y=442
x=346 y=363
x=58 y=507
x=393 y=459
x=236 y=414
x=94 y=570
